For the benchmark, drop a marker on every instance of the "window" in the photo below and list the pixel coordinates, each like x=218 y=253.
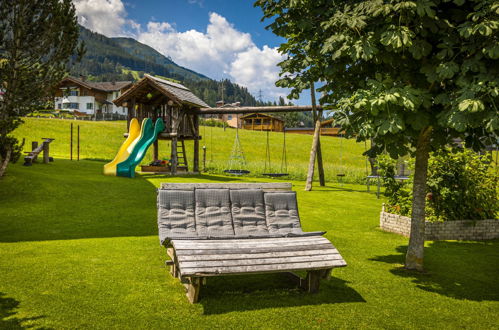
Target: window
x=73 y=93
x=59 y=106
x=70 y=105
x=90 y=106
x=229 y=117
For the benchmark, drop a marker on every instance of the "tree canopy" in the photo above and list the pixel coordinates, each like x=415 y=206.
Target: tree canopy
x=412 y=75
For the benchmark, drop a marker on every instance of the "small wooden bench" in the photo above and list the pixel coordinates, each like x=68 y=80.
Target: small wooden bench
x=36 y=150
x=254 y=229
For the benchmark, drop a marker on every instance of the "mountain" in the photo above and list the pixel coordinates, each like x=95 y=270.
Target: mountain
x=108 y=59
x=149 y=54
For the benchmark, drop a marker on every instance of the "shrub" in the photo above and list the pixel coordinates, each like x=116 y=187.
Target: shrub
x=211 y=122
x=461 y=185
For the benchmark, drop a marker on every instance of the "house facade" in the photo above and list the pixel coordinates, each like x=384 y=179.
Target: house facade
x=91 y=98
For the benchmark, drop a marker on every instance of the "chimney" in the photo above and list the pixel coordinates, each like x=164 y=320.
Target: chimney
x=237 y=104
x=83 y=78
x=113 y=82
x=220 y=104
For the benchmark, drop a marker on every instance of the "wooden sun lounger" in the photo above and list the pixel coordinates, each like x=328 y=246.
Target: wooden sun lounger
x=256 y=230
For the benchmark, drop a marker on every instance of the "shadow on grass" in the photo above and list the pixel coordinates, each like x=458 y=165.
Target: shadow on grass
x=70 y=200
x=253 y=292
x=460 y=270
x=7 y=313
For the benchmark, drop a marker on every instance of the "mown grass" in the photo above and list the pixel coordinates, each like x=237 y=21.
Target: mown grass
x=80 y=250
x=101 y=140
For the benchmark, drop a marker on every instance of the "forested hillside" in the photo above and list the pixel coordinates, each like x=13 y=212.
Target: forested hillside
x=127 y=59
x=108 y=59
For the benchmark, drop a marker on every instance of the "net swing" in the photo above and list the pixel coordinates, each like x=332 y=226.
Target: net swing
x=237 y=162
x=284 y=159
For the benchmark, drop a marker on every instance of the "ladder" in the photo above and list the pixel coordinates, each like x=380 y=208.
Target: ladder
x=181 y=159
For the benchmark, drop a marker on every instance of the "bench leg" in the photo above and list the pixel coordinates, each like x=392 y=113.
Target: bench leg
x=193 y=288
x=173 y=263
x=311 y=282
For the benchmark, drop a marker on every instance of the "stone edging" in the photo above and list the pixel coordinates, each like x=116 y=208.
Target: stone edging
x=448 y=230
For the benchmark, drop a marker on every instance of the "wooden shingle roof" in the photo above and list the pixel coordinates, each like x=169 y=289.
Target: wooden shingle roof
x=174 y=91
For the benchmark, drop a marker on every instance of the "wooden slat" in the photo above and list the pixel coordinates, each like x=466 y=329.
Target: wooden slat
x=259 y=261
x=217 y=245
x=261 y=268
x=234 y=256
x=254 y=250
x=251 y=240
x=261 y=185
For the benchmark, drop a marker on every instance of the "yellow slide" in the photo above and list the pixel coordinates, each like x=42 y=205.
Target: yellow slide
x=126 y=147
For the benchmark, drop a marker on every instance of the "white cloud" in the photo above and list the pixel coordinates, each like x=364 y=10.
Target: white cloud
x=219 y=52
x=105 y=16
x=257 y=68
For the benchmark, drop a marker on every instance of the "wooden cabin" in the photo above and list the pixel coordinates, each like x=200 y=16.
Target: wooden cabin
x=152 y=97
x=327 y=129
x=261 y=122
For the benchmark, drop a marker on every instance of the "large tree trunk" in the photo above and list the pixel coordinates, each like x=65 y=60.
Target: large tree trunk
x=5 y=162
x=415 y=251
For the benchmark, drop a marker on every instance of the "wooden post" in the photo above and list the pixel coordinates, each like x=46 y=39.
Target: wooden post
x=34 y=145
x=174 y=158
x=78 y=144
x=71 y=144
x=317 y=117
x=204 y=158
x=193 y=288
x=196 y=143
x=156 y=150
x=313 y=153
x=45 y=152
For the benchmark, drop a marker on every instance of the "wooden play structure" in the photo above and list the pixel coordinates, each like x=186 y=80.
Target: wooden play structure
x=36 y=150
x=262 y=122
x=177 y=106
x=251 y=228
x=179 y=109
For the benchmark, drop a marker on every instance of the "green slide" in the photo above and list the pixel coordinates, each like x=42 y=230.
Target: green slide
x=148 y=135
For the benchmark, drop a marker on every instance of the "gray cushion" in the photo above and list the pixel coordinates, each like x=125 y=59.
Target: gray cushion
x=213 y=217
x=176 y=213
x=281 y=211
x=248 y=213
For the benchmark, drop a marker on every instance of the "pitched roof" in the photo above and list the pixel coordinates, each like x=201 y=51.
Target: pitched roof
x=105 y=86
x=175 y=91
x=110 y=86
x=180 y=91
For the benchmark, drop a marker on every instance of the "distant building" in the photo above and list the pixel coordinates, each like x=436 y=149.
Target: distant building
x=230 y=119
x=261 y=122
x=92 y=98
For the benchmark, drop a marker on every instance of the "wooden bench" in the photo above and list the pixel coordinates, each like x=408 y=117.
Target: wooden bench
x=36 y=150
x=256 y=231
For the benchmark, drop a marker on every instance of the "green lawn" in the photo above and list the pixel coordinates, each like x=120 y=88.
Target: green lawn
x=80 y=250
x=101 y=140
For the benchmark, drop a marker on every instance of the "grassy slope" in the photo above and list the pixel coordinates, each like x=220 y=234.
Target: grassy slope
x=80 y=250
x=101 y=140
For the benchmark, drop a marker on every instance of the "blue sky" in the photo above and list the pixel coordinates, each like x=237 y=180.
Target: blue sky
x=195 y=15
x=218 y=38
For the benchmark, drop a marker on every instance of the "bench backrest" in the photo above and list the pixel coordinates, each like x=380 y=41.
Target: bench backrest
x=214 y=210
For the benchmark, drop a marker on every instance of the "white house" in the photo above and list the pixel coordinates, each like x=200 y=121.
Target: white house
x=90 y=97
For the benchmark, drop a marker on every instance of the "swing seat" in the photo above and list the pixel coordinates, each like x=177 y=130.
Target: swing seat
x=341 y=174
x=275 y=175
x=237 y=172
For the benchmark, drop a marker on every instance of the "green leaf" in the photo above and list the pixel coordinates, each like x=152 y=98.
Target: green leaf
x=447 y=70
